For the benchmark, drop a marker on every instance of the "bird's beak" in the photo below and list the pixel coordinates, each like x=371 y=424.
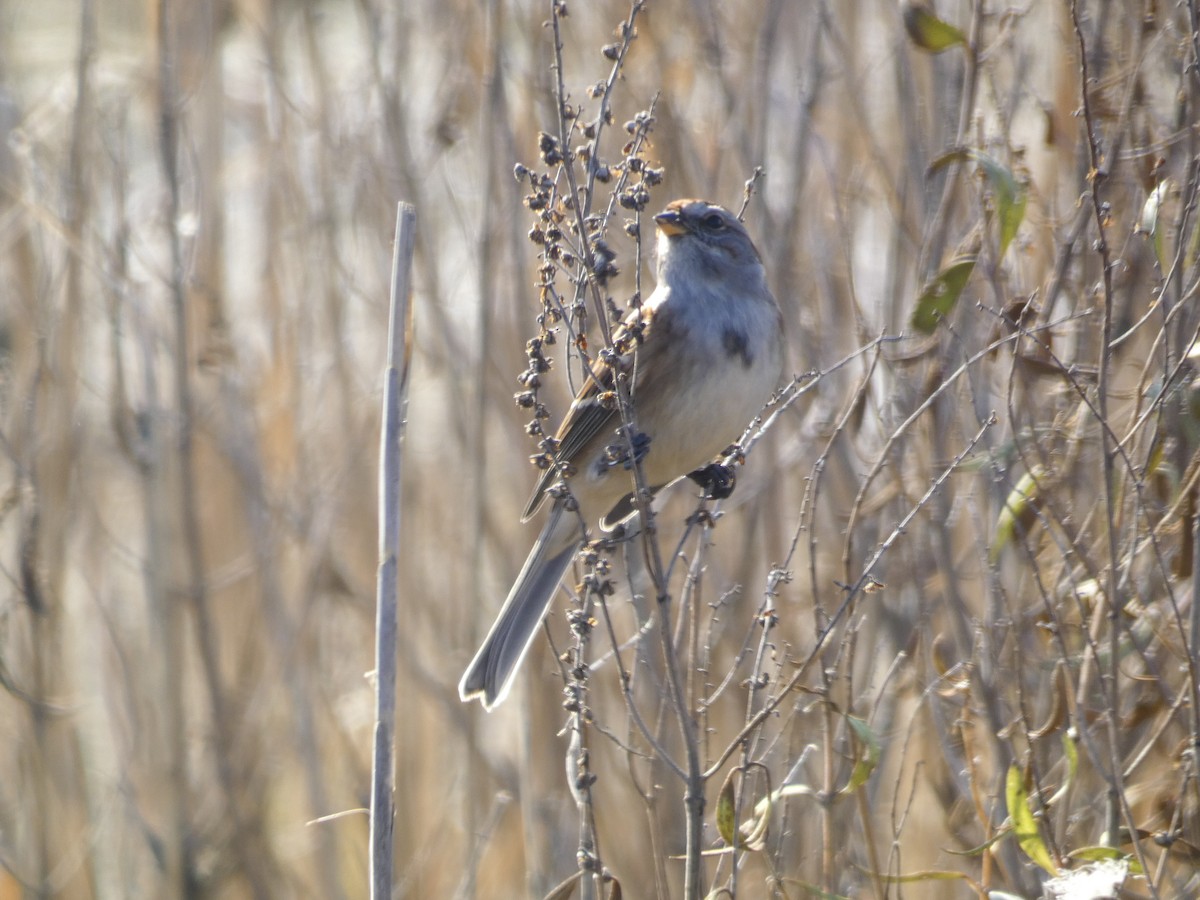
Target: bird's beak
x=670 y=222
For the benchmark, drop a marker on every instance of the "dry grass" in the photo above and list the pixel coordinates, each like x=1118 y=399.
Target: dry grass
x=191 y=345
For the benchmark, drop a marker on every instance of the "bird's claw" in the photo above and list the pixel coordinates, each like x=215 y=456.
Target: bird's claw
x=619 y=454
x=716 y=479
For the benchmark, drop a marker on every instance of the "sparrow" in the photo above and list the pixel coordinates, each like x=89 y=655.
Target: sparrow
x=708 y=355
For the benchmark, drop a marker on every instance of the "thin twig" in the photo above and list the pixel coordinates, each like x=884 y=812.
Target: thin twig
x=1096 y=175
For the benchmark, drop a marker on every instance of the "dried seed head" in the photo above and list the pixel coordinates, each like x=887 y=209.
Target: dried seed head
x=548 y=147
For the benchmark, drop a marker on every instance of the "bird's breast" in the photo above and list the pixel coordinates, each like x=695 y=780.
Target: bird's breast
x=720 y=380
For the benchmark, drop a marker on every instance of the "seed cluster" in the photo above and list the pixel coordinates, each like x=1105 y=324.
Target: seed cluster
x=574 y=197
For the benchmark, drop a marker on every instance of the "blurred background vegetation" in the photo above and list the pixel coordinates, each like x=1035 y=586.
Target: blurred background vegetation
x=196 y=213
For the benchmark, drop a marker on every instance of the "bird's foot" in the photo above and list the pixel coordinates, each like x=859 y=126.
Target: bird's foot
x=641 y=446
x=619 y=454
x=716 y=479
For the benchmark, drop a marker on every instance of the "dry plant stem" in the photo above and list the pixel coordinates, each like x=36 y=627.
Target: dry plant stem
x=578 y=756
x=1192 y=98
x=196 y=589
x=581 y=779
x=578 y=771
x=947 y=382
x=829 y=748
x=1119 y=449
x=491 y=88
x=863 y=803
x=583 y=199
x=50 y=471
x=758 y=681
x=1193 y=644
x=936 y=236
x=145 y=447
x=402 y=176
x=694 y=789
x=690 y=600
x=853 y=591
x=45 y=473
x=334 y=305
x=625 y=678
x=1098 y=167
x=395 y=402
x=881 y=158
x=1048 y=517
x=484 y=277
x=826 y=811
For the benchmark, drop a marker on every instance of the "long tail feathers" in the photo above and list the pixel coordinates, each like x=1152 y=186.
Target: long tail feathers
x=490 y=674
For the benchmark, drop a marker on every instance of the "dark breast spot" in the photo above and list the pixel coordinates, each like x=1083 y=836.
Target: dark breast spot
x=736 y=344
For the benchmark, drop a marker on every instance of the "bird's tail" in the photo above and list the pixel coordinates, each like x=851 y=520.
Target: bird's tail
x=490 y=674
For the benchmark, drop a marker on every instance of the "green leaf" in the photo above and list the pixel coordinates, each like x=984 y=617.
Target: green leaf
x=981 y=849
x=928 y=31
x=1092 y=854
x=1024 y=825
x=725 y=812
x=927 y=875
x=865 y=764
x=813 y=891
x=939 y=295
x=1020 y=506
x=917 y=877
x=1072 y=754
x=1009 y=194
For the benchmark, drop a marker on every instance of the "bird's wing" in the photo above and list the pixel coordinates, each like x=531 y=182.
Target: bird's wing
x=593 y=415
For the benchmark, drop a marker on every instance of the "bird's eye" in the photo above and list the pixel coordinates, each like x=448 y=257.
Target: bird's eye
x=714 y=222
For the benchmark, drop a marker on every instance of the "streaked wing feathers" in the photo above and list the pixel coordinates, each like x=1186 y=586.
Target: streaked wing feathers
x=590 y=416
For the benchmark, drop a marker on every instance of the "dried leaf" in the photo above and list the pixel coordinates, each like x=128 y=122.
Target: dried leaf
x=1058 y=707
x=755 y=829
x=564 y=889
x=1148 y=221
x=754 y=832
